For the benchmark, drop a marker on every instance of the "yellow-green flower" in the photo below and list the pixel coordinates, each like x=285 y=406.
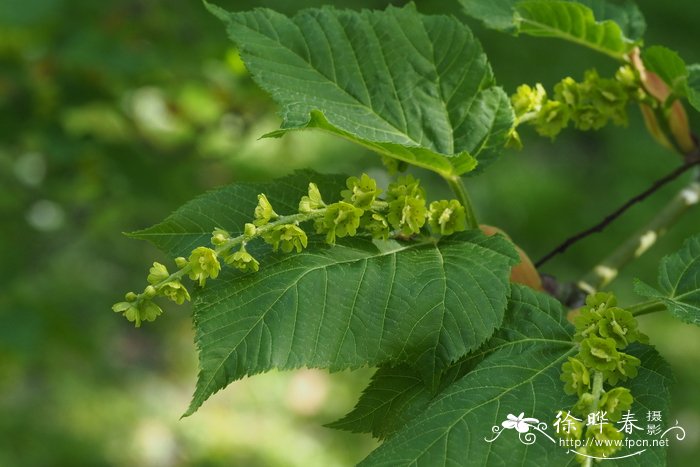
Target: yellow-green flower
x=599 y=354
x=615 y=402
x=157 y=273
x=341 y=219
x=311 y=202
x=376 y=224
x=286 y=237
x=263 y=211
x=447 y=217
x=552 y=118
x=527 y=99
x=176 y=292
x=243 y=260
x=407 y=214
x=576 y=376
x=361 y=191
x=138 y=312
x=204 y=264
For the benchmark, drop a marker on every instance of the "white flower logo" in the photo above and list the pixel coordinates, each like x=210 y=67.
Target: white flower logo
x=520 y=423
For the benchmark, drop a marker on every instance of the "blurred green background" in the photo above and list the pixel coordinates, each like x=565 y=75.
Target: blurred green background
x=112 y=114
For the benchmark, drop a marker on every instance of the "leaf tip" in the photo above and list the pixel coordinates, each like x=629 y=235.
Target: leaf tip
x=216 y=10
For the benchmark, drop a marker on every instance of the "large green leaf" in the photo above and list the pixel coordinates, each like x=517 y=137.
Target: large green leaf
x=413 y=87
x=518 y=372
x=607 y=27
x=356 y=303
x=397 y=395
x=679 y=282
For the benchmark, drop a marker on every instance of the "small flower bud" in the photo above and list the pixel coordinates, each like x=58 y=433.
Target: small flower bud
x=181 y=262
x=627 y=77
x=219 y=236
x=249 y=230
x=150 y=292
x=130 y=297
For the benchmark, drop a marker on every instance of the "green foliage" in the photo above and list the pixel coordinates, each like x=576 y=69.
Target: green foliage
x=515 y=369
x=388 y=279
x=412 y=87
x=603 y=26
x=679 y=282
x=242 y=332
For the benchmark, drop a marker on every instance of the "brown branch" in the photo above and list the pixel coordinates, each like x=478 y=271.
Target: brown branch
x=690 y=162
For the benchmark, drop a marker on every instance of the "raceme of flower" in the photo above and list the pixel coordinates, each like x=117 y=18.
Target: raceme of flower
x=603 y=330
x=589 y=105
x=402 y=214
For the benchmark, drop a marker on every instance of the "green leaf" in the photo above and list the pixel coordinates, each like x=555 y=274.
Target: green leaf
x=357 y=303
x=679 y=282
x=521 y=374
x=396 y=395
x=413 y=87
x=694 y=85
x=353 y=304
x=606 y=27
x=572 y=22
x=669 y=66
x=626 y=14
x=496 y=14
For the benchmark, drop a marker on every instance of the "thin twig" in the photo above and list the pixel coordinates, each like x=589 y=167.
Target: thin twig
x=599 y=227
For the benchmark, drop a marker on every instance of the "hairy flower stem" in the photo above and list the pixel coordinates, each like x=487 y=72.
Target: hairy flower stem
x=456 y=183
x=607 y=270
x=597 y=392
x=228 y=245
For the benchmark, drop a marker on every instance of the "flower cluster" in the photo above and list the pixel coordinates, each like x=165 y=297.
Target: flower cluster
x=402 y=214
x=603 y=331
x=588 y=105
